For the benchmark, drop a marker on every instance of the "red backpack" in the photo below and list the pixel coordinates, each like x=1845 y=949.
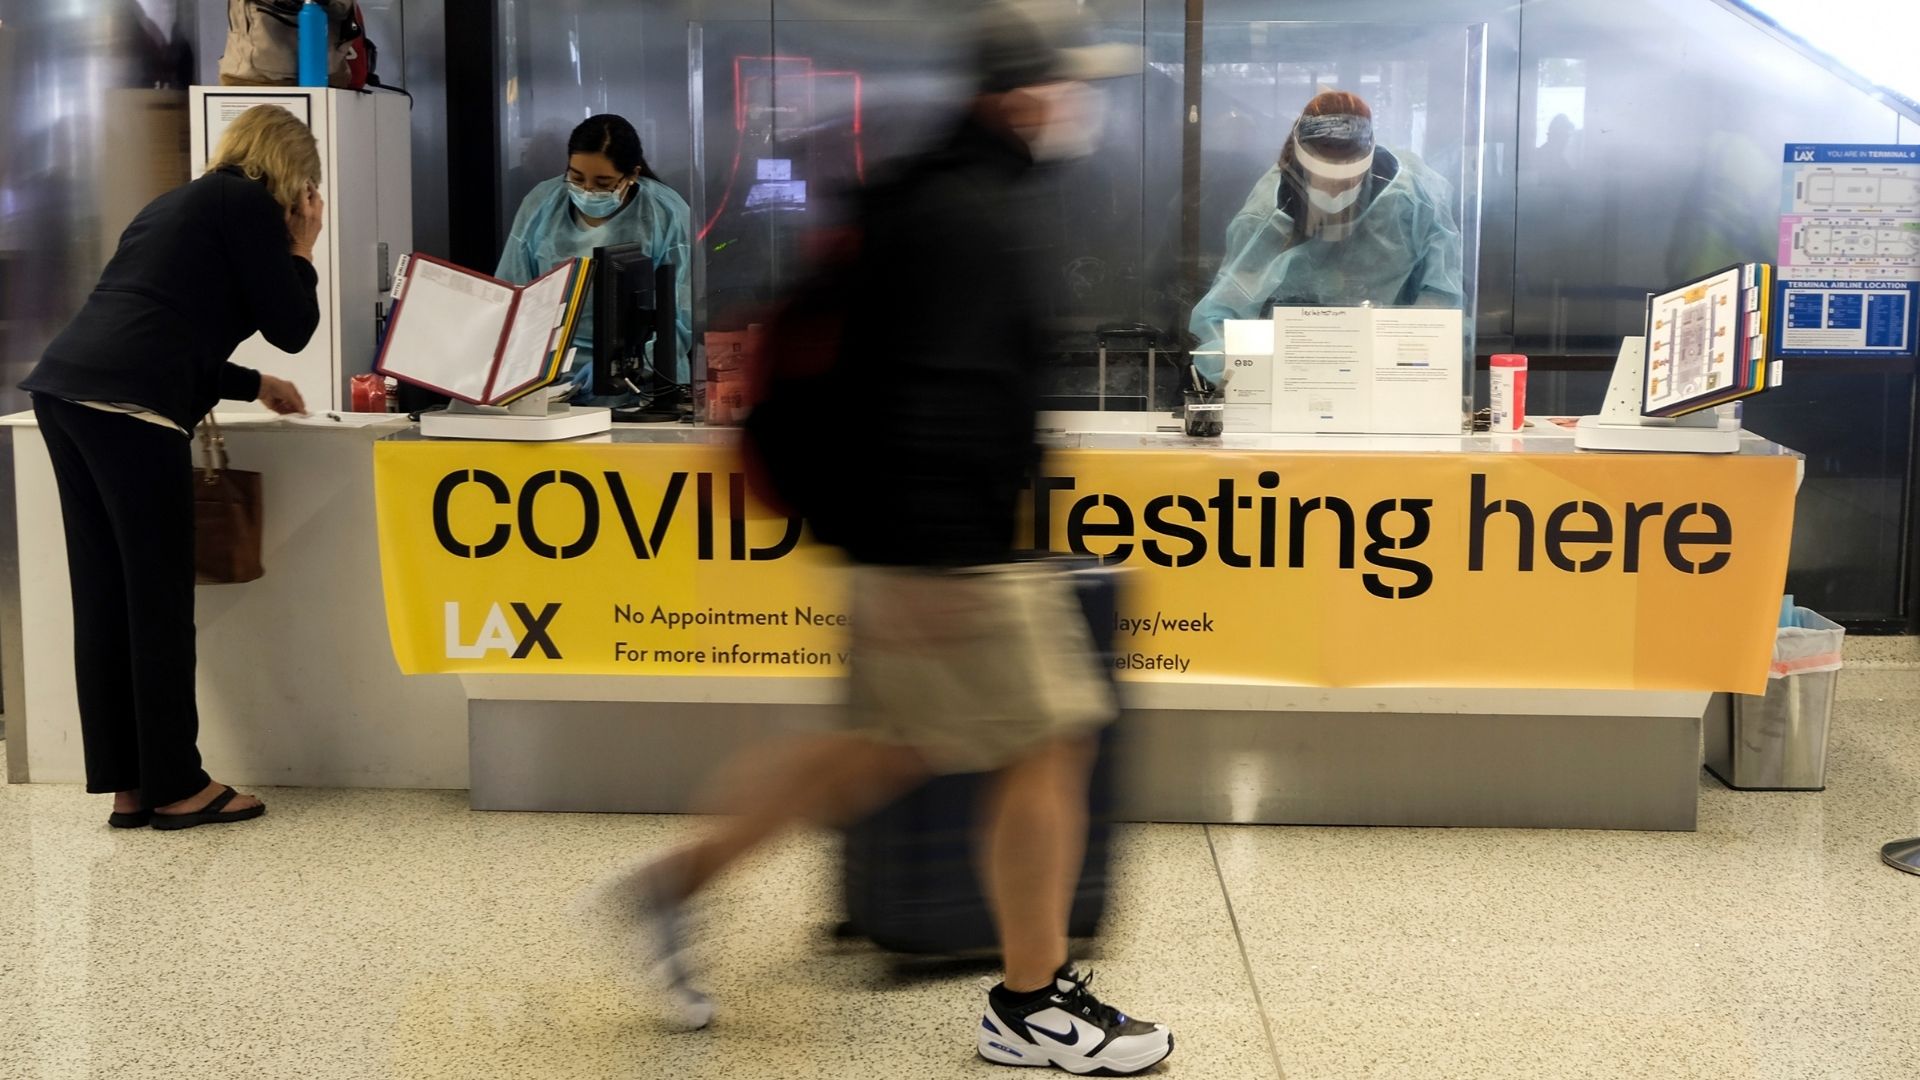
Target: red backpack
x=357 y=51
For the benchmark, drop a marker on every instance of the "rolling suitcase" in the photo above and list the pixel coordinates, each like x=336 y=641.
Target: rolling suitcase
x=910 y=878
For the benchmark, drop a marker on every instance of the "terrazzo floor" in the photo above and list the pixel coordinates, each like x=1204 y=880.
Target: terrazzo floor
x=394 y=934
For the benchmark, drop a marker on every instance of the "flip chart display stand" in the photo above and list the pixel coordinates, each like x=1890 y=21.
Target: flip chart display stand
x=1622 y=425
x=529 y=419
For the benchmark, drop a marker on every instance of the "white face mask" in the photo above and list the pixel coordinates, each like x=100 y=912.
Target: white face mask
x=1076 y=118
x=1332 y=202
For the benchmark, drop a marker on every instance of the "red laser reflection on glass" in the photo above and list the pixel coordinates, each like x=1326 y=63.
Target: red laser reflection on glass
x=742 y=93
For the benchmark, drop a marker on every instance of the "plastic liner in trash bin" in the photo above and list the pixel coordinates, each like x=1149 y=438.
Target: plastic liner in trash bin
x=1777 y=741
x=1806 y=643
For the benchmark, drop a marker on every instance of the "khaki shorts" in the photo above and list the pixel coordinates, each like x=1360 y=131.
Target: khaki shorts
x=974 y=668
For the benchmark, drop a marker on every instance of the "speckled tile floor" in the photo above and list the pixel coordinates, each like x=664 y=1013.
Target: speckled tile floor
x=395 y=934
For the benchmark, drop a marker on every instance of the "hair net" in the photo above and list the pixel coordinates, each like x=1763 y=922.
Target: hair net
x=1335 y=128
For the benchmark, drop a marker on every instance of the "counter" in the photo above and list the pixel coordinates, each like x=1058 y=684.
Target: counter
x=297 y=680
x=1252 y=731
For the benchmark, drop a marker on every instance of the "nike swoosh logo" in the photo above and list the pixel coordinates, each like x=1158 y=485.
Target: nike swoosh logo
x=1070 y=1037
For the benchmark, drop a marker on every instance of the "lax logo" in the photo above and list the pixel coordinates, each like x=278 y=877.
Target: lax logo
x=495 y=637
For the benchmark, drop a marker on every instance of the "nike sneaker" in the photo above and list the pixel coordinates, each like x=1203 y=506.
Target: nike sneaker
x=655 y=923
x=1066 y=1027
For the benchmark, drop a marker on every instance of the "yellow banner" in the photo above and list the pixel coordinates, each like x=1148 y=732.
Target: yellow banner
x=1572 y=571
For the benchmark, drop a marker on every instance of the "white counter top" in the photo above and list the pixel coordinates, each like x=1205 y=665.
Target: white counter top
x=255 y=420
x=1159 y=431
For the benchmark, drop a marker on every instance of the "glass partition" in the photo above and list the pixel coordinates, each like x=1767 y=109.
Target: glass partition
x=1339 y=165
x=1650 y=154
x=789 y=119
x=791 y=116
x=1627 y=143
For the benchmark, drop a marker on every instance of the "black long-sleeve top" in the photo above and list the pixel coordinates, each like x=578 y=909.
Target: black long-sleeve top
x=947 y=345
x=201 y=269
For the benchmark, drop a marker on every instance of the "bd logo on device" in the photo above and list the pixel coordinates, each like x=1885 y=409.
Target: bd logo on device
x=536 y=632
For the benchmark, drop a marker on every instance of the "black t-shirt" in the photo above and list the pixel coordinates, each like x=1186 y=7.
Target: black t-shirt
x=201 y=269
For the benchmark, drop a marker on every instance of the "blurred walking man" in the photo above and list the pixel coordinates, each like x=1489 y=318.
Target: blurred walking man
x=962 y=659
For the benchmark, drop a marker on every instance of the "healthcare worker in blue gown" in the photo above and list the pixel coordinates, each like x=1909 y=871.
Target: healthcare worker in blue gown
x=608 y=196
x=1338 y=222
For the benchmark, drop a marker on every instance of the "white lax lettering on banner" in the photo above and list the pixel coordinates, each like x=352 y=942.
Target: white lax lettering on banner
x=496 y=637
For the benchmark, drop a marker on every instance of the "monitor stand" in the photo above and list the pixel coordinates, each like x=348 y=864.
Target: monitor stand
x=1621 y=426
x=531 y=419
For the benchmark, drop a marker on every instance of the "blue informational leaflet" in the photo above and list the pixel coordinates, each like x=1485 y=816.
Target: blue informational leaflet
x=1849 y=266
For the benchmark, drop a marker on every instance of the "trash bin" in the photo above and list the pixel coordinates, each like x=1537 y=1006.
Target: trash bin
x=1778 y=741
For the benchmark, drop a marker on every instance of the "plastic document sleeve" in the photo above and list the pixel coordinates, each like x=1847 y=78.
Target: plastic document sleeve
x=1707 y=342
x=475 y=338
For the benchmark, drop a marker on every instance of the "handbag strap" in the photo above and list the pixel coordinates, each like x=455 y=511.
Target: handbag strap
x=213 y=449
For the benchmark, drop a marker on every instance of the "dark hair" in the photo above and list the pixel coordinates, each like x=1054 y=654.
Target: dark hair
x=613 y=136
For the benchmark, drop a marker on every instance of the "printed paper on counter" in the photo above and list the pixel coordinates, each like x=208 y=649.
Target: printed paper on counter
x=1323 y=364
x=1418 y=377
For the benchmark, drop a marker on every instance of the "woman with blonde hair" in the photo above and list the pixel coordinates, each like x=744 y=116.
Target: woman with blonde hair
x=117 y=394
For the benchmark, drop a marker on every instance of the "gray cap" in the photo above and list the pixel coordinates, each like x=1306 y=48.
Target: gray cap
x=1029 y=42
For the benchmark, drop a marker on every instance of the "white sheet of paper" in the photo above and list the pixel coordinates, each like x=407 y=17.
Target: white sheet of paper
x=530 y=342
x=345 y=420
x=1256 y=419
x=1248 y=358
x=448 y=331
x=1418 y=377
x=1323 y=370
x=225 y=106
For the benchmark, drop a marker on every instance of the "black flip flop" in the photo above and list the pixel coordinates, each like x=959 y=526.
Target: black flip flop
x=214 y=813
x=137 y=819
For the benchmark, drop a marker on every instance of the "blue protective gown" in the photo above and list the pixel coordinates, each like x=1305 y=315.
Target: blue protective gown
x=547 y=232
x=1403 y=251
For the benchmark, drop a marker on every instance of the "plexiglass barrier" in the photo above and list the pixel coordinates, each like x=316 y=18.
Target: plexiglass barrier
x=1185 y=214
x=1339 y=166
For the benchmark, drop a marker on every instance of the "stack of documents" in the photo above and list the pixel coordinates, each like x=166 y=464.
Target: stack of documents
x=1708 y=342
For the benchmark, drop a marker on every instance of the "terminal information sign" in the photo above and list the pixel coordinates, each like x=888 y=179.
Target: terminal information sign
x=1849 y=266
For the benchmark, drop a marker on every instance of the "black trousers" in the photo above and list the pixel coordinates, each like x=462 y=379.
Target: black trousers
x=126 y=493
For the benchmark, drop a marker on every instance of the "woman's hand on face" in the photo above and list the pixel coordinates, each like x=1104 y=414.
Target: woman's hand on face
x=304 y=222
x=281 y=396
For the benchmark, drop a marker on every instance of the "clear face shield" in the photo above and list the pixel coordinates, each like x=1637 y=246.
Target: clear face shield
x=1327 y=167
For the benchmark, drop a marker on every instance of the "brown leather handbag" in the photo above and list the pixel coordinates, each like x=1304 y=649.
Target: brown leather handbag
x=227 y=515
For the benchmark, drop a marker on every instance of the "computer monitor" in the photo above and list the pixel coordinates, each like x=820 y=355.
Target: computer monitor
x=633 y=304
